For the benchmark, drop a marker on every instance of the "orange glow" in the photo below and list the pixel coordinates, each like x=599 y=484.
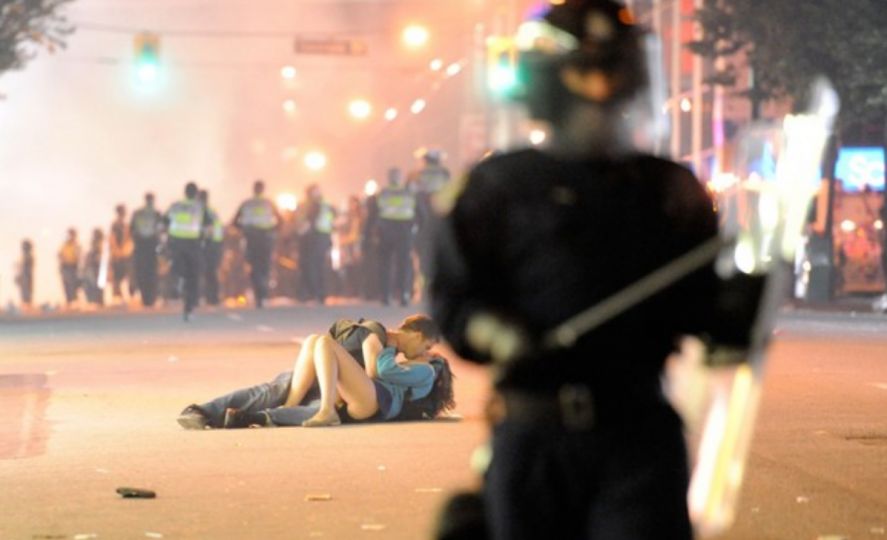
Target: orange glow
x=626 y=16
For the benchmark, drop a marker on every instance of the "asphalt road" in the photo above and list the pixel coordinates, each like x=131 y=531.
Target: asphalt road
x=89 y=405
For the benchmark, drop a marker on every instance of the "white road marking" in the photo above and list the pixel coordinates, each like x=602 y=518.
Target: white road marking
x=235 y=317
x=263 y=328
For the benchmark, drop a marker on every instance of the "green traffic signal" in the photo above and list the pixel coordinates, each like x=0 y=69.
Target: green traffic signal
x=147 y=58
x=502 y=78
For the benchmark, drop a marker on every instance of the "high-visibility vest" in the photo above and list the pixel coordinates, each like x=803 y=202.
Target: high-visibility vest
x=397 y=204
x=218 y=230
x=432 y=178
x=323 y=223
x=185 y=219
x=146 y=223
x=257 y=213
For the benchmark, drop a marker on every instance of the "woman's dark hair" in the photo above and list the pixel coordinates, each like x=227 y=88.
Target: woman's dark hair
x=439 y=400
x=422 y=324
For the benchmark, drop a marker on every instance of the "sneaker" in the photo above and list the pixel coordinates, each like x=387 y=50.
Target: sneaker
x=193 y=418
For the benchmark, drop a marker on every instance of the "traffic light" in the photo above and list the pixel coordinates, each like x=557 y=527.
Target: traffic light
x=501 y=65
x=147 y=58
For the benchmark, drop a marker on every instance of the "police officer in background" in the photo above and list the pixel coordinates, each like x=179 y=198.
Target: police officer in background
x=211 y=251
x=397 y=215
x=316 y=226
x=583 y=438
x=145 y=227
x=185 y=222
x=258 y=219
x=427 y=183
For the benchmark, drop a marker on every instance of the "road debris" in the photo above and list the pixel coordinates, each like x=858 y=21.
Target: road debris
x=315 y=497
x=135 y=493
x=800 y=499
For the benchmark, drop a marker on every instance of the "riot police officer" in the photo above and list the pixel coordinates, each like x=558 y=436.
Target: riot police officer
x=317 y=218
x=185 y=221
x=397 y=215
x=583 y=440
x=427 y=182
x=145 y=227
x=211 y=251
x=258 y=218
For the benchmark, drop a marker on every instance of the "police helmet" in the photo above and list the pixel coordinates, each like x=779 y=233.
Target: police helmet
x=429 y=155
x=590 y=36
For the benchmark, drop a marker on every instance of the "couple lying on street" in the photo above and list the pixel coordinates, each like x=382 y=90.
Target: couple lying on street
x=357 y=372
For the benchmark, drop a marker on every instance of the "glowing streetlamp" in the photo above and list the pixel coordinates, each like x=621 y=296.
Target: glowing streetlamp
x=371 y=187
x=415 y=36
x=288 y=72
x=360 y=109
x=315 y=160
x=390 y=114
x=418 y=106
x=287 y=201
x=289 y=106
x=454 y=69
x=436 y=64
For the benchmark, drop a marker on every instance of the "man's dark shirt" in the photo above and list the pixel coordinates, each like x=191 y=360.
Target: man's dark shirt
x=536 y=240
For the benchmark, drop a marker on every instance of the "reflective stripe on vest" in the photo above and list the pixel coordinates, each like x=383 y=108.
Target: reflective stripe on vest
x=325 y=217
x=397 y=204
x=258 y=213
x=185 y=220
x=433 y=178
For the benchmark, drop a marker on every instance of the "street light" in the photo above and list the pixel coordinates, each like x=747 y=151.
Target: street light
x=390 y=114
x=360 y=109
x=287 y=201
x=315 y=160
x=371 y=187
x=288 y=72
x=415 y=36
x=436 y=64
x=454 y=69
x=289 y=106
x=418 y=106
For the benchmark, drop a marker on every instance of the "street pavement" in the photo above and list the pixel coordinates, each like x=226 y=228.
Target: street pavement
x=89 y=405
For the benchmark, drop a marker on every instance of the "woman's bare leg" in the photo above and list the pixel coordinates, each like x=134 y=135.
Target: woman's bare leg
x=338 y=374
x=303 y=372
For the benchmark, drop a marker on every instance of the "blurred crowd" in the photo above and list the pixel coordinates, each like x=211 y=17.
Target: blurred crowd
x=375 y=247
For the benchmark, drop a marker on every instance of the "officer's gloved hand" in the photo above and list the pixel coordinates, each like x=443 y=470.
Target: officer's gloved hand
x=502 y=340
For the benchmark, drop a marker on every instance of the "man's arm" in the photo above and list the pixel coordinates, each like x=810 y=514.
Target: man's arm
x=371 y=347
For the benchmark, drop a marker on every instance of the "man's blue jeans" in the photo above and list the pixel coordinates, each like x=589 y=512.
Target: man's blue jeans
x=267 y=397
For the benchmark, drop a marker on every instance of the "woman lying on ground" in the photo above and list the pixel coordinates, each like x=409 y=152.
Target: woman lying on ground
x=401 y=380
